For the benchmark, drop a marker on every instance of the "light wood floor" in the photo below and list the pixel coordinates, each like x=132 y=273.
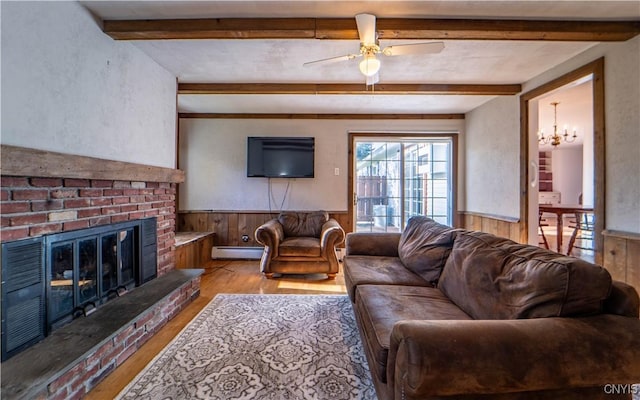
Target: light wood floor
x=550 y=233
x=219 y=277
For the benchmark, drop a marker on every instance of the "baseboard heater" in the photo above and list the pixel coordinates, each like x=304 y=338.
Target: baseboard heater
x=236 y=252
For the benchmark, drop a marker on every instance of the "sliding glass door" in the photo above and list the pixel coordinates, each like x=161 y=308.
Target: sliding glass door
x=397 y=179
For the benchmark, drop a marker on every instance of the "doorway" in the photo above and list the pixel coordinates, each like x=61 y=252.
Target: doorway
x=394 y=178
x=565 y=168
x=537 y=178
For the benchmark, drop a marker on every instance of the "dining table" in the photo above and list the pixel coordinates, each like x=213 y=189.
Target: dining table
x=560 y=210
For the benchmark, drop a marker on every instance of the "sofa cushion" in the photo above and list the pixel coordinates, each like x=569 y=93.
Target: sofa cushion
x=303 y=223
x=300 y=247
x=425 y=246
x=376 y=270
x=379 y=307
x=495 y=278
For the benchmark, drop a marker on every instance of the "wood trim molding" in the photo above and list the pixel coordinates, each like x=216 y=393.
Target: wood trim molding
x=21 y=161
x=387 y=28
x=321 y=116
x=248 y=212
x=348 y=88
x=498 y=225
x=621 y=235
x=491 y=216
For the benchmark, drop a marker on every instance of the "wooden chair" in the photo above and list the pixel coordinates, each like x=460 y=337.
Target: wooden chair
x=582 y=231
x=541 y=224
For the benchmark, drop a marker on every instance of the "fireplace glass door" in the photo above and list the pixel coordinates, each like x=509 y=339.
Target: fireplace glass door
x=118 y=261
x=73 y=277
x=88 y=270
x=61 y=299
x=109 y=262
x=127 y=272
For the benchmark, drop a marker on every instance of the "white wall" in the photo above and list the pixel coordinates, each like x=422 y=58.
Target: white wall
x=492 y=140
x=622 y=124
x=68 y=87
x=492 y=154
x=566 y=166
x=213 y=156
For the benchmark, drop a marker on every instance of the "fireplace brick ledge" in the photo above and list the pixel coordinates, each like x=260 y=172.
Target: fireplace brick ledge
x=75 y=358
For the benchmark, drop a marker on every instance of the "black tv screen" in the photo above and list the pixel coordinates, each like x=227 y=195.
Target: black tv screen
x=280 y=157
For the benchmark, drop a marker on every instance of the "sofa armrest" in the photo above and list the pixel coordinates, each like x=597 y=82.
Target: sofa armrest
x=372 y=244
x=623 y=300
x=443 y=358
x=270 y=234
x=331 y=236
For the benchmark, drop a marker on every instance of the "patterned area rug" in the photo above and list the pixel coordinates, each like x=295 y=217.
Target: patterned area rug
x=262 y=347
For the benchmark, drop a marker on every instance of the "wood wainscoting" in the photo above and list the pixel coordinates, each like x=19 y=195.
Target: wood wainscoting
x=621 y=250
x=622 y=256
x=230 y=226
x=500 y=226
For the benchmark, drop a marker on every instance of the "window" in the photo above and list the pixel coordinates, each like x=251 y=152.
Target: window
x=398 y=179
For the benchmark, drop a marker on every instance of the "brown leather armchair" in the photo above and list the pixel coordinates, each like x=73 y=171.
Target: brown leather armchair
x=300 y=243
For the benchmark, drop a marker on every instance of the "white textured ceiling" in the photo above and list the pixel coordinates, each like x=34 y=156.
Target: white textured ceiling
x=280 y=61
x=574 y=111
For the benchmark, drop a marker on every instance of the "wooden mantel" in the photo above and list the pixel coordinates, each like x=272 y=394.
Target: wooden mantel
x=21 y=161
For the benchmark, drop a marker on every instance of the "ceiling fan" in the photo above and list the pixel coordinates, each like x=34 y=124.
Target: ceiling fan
x=369 y=48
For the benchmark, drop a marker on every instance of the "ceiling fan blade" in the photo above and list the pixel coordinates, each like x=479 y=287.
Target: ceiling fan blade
x=373 y=79
x=331 y=60
x=415 y=48
x=366 y=28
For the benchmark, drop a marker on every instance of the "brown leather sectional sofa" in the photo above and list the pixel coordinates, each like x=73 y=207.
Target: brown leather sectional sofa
x=452 y=314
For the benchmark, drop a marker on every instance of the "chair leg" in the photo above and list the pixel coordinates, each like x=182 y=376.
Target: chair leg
x=544 y=239
x=572 y=241
x=541 y=229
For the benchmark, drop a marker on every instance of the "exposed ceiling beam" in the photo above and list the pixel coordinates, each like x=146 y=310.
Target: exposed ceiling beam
x=387 y=28
x=346 y=89
x=217 y=28
x=320 y=116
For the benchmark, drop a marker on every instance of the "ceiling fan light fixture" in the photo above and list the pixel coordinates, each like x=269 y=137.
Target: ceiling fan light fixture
x=369 y=65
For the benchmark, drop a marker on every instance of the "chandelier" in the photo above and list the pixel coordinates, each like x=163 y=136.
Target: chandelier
x=556 y=139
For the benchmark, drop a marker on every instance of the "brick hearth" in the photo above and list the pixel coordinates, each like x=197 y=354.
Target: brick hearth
x=75 y=358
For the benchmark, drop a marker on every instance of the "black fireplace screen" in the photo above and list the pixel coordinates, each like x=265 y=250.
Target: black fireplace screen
x=51 y=280
x=88 y=270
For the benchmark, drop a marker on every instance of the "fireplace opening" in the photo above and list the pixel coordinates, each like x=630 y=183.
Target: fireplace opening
x=51 y=280
x=88 y=270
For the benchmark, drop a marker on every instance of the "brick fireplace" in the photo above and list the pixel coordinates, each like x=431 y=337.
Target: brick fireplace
x=45 y=193
x=34 y=206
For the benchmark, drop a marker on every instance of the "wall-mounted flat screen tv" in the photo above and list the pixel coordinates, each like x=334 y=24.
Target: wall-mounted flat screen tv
x=280 y=157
